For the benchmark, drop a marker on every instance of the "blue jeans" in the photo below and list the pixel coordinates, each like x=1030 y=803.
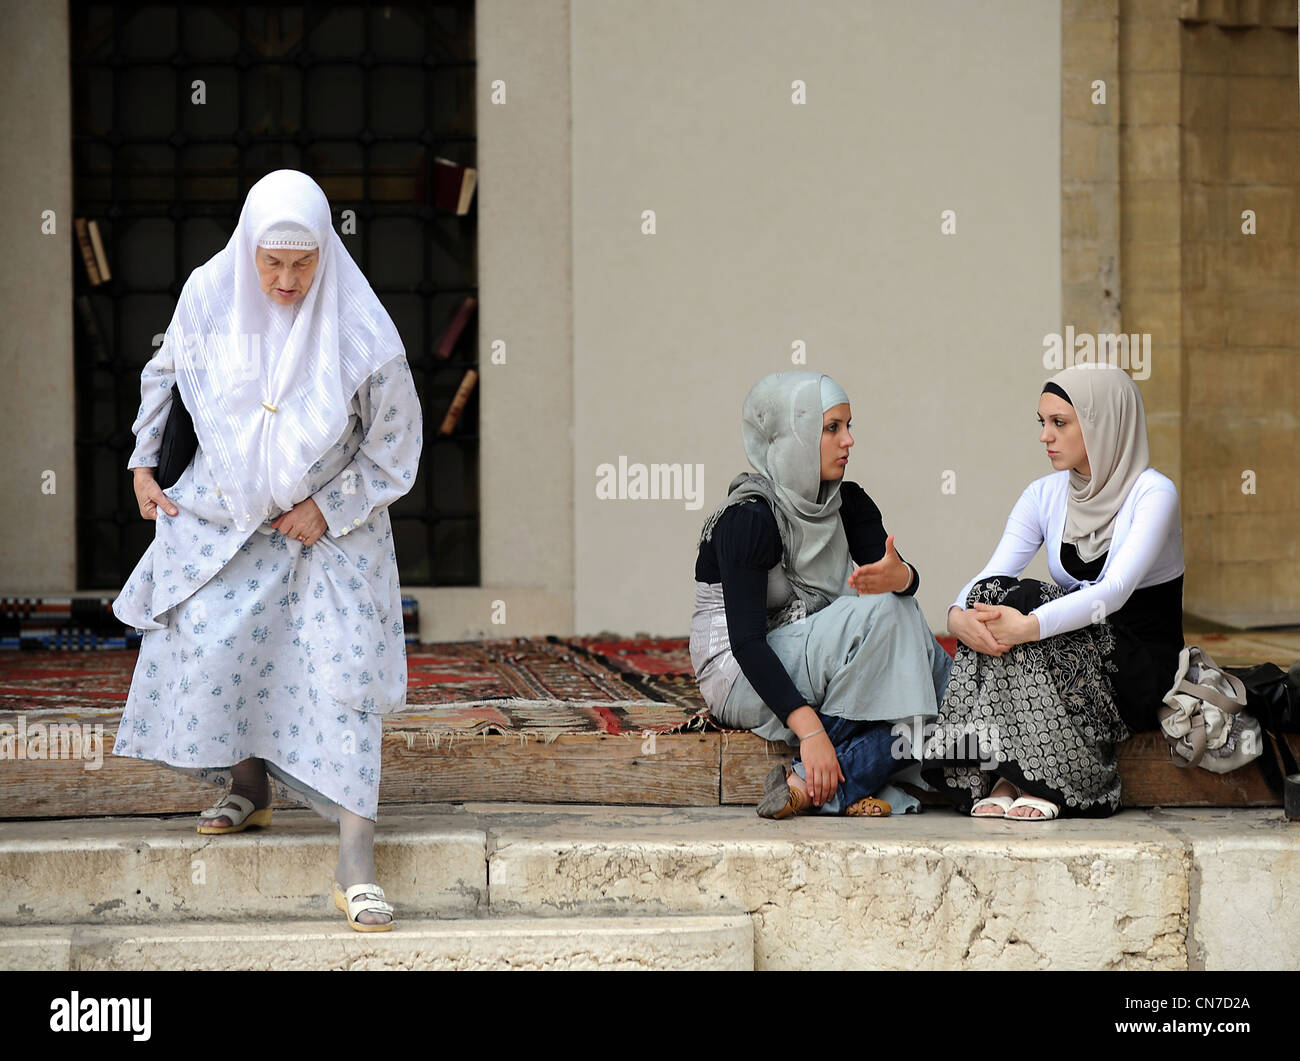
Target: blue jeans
x=865 y=752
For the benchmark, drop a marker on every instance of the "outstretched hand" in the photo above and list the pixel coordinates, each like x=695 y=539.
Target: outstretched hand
x=889 y=574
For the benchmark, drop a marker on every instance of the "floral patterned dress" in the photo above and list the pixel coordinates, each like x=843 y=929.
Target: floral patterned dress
x=258 y=646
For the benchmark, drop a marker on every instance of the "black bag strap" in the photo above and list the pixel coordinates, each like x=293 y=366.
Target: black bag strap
x=1268 y=763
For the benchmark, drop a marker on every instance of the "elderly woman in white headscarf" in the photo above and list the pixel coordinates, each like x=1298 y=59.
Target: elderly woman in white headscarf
x=806 y=629
x=269 y=597
x=1049 y=678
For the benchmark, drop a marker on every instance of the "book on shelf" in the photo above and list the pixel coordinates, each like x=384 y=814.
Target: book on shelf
x=453 y=185
x=458 y=403
x=87 y=251
x=94 y=334
x=97 y=245
x=455 y=328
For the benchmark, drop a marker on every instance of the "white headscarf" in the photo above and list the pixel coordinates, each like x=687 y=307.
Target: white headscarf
x=1114 y=426
x=269 y=385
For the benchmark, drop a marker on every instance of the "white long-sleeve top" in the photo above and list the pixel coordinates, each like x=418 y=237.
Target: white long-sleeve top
x=1146 y=549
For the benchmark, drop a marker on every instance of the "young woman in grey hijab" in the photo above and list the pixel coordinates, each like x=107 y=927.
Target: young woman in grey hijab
x=805 y=627
x=1049 y=678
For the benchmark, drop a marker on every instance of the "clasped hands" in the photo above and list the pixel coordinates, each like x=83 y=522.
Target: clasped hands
x=992 y=629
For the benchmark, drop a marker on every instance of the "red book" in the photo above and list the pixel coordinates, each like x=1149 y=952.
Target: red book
x=458 y=403
x=452 y=332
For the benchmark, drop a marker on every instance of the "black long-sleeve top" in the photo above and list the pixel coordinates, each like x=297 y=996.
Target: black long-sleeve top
x=746 y=544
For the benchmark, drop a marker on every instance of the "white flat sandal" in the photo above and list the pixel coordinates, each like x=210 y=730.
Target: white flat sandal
x=359 y=899
x=1048 y=809
x=1005 y=803
x=239 y=810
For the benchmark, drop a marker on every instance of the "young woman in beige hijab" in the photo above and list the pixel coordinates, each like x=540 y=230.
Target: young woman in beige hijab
x=1049 y=678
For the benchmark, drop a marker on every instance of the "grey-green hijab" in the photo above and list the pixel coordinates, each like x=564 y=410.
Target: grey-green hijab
x=782 y=428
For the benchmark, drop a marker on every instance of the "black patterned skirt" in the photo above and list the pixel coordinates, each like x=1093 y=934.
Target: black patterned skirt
x=1044 y=715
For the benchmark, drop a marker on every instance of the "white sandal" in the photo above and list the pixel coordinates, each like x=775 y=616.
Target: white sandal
x=361 y=898
x=239 y=810
x=1048 y=809
x=1005 y=803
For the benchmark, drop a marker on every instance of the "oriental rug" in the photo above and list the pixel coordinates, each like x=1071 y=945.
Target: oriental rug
x=538 y=687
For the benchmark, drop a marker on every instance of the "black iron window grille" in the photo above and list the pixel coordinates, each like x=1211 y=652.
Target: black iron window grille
x=363 y=98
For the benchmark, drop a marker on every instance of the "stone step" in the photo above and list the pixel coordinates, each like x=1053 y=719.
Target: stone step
x=122 y=870
x=1212 y=889
x=1159 y=889
x=609 y=943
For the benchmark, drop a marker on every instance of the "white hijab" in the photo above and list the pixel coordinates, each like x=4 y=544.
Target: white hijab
x=269 y=386
x=1114 y=426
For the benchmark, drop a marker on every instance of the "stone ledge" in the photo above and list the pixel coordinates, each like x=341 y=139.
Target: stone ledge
x=470 y=943
x=1169 y=889
x=122 y=870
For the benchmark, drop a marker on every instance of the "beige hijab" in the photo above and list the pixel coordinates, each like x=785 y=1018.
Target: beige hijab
x=1114 y=427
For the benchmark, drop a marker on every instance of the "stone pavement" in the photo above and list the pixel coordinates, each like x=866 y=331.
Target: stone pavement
x=505 y=885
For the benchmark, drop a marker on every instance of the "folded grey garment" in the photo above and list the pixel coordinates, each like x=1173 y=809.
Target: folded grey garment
x=899 y=801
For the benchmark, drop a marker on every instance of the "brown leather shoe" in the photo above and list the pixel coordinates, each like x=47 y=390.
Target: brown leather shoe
x=776 y=777
x=778 y=804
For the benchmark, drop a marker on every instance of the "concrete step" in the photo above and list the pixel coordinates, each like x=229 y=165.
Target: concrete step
x=1178 y=889
x=1213 y=889
x=687 y=942
x=124 y=870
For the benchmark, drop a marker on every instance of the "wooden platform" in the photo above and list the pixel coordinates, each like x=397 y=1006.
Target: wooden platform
x=693 y=770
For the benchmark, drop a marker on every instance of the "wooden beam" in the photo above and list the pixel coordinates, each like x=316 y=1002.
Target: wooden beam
x=1150 y=779
x=681 y=769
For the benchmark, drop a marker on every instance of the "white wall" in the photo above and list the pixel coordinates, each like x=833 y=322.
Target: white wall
x=38 y=538
x=775 y=223
x=820 y=222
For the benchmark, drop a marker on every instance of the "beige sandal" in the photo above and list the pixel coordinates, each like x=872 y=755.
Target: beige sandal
x=359 y=899
x=239 y=810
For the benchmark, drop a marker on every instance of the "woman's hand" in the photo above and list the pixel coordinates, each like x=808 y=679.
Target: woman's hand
x=304 y=522
x=887 y=575
x=149 y=495
x=1009 y=626
x=972 y=633
x=821 y=766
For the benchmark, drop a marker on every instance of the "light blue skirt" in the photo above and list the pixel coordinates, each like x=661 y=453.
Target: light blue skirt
x=230 y=679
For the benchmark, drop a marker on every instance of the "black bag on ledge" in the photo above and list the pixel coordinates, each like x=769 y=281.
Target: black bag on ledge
x=179 y=442
x=1273 y=697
